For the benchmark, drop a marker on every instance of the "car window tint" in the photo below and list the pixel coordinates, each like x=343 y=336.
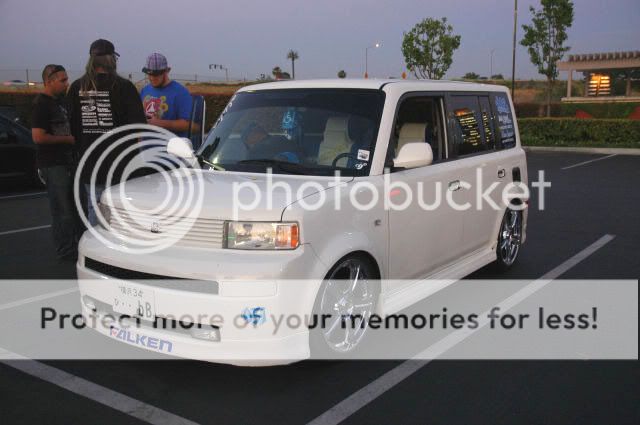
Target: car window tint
x=469 y=133
x=504 y=122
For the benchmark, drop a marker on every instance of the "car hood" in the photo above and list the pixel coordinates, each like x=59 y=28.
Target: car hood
x=225 y=195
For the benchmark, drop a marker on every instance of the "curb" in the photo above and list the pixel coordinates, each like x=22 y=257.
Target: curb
x=606 y=151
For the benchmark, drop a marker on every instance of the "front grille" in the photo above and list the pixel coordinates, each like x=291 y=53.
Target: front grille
x=196 y=232
x=158 y=281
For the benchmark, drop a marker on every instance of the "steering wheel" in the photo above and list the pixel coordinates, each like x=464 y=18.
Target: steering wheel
x=343 y=155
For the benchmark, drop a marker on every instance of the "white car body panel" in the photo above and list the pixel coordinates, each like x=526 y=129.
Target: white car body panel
x=413 y=245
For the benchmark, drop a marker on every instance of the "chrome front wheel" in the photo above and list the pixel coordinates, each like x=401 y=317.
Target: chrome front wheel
x=509 y=238
x=347 y=299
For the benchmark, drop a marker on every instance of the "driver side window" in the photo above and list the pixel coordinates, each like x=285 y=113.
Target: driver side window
x=419 y=119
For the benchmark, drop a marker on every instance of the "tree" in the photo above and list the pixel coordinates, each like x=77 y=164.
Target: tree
x=545 y=38
x=276 y=71
x=342 y=74
x=428 y=48
x=471 y=76
x=293 y=55
x=497 y=77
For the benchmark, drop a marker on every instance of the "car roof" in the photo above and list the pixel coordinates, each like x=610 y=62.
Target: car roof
x=375 y=84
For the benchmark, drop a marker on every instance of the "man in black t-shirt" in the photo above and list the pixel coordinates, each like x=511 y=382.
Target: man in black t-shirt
x=102 y=101
x=52 y=135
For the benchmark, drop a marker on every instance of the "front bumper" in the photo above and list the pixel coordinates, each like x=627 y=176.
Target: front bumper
x=246 y=281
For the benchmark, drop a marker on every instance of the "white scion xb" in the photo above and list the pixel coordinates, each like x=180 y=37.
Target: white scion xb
x=323 y=195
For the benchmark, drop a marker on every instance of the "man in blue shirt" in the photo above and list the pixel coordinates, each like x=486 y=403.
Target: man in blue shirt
x=167 y=104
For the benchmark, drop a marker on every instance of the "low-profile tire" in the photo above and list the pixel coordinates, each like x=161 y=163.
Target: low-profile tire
x=509 y=239
x=351 y=287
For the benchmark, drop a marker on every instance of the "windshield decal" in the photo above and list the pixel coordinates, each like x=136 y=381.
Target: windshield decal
x=363 y=155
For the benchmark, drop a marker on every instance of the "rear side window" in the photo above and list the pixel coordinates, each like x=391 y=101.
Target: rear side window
x=469 y=126
x=504 y=121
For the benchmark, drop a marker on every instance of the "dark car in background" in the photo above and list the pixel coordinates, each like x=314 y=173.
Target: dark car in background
x=17 y=153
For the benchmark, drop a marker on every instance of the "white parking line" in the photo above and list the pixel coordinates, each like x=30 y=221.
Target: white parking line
x=26 y=229
x=37 y=298
x=24 y=195
x=92 y=391
x=375 y=389
x=589 y=162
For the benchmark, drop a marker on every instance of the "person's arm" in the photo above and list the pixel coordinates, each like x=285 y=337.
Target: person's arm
x=134 y=111
x=41 y=137
x=178 y=125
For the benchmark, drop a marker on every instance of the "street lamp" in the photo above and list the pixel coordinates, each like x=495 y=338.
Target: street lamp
x=366 y=59
x=513 y=57
x=217 y=66
x=491 y=68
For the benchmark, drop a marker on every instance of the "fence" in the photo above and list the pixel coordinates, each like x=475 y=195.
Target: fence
x=21 y=78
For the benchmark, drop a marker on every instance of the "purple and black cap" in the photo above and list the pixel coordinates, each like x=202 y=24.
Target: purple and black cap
x=156 y=64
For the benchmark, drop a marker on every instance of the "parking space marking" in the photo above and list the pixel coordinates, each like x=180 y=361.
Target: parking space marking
x=24 y=195
x=375 y=389
x=589 y=162
x=92 y=391
x=26 y=229
x=37 y=298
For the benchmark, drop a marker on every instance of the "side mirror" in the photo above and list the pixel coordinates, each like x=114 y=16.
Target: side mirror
x=182 y=148
x=413 y=155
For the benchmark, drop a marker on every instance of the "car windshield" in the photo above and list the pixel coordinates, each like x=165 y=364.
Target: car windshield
x=298 y=131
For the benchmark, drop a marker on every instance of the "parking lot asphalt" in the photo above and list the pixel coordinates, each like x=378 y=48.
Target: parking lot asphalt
x=587 y=200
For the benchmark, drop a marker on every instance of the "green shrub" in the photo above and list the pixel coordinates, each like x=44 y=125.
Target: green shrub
x=617 y=133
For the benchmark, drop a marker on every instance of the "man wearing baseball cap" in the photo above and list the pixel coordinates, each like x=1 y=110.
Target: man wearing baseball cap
x=167 y=103
x=100 y=102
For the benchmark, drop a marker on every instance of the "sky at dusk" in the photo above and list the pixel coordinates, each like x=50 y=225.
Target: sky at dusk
x=251 y=37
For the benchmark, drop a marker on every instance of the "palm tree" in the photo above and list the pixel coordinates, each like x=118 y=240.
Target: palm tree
x=342 y=74
x=293 y=55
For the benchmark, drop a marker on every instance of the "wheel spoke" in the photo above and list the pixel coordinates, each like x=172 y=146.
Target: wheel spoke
x=354 y=275
x=333 y=326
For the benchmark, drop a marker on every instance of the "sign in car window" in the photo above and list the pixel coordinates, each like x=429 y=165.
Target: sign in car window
x=505 y=122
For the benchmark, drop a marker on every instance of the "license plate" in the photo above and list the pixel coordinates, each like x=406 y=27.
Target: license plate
x=134 y=301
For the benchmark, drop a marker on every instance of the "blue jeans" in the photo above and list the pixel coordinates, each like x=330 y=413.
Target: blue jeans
x=64 y=217
x=91 y=212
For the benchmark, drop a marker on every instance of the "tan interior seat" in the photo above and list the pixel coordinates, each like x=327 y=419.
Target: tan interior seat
x=411 y=133
x=335 y=141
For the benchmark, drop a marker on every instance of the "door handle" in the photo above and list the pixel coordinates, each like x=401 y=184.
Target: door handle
x=454 y=185
x=501 y=173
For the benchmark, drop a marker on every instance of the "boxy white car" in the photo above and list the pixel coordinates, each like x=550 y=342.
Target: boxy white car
x=346 y=236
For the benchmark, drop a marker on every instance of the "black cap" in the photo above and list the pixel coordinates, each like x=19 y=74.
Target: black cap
x=102 y=47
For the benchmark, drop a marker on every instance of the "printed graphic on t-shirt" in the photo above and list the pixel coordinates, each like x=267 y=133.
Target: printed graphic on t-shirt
x=96 y=112
x=155 y=107
x=60 y=122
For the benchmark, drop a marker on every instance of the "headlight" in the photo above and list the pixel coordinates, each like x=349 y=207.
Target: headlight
x=248 y=235
x=105 y=210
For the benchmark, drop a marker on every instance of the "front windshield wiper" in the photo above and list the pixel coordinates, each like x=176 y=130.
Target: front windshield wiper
x=286 y=166
x=202 y=160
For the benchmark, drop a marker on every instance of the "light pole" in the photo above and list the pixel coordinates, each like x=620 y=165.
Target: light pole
x=366 y=59
x=491 y=66
x=217 y=66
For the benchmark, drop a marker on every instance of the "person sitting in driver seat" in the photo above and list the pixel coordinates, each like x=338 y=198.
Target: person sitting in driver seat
x=251 y=136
